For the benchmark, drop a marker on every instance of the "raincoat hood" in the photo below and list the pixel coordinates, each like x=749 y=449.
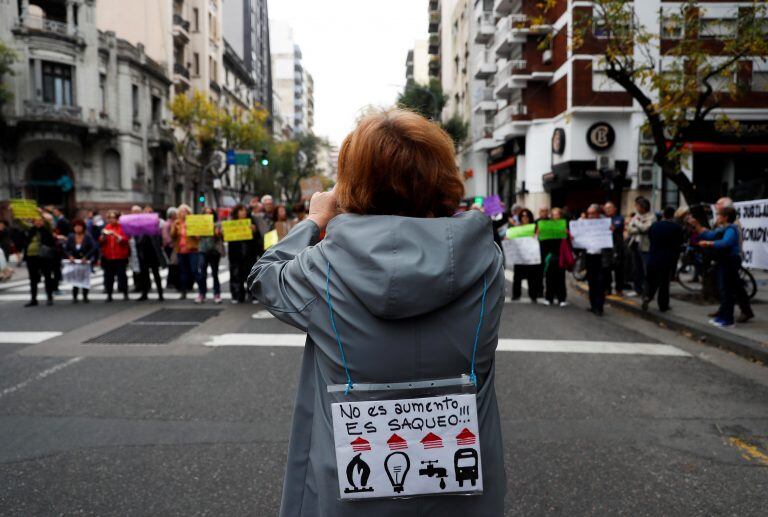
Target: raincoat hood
x=401 y=267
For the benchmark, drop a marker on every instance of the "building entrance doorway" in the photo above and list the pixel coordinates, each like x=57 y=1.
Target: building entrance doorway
x=49 y=181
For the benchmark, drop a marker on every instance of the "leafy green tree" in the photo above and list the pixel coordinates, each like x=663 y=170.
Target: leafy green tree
x=458 y=129
x=679 y=84
x=429 y=101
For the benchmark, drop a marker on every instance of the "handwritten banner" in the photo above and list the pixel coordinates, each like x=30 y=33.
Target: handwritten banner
x=522 y=250
x=237 y=230
x=592 y=234
x=24 y=209
x=270 y=239
x=76 y=274
x=526 y=230
x=200 y=225
x=753 y=217
x=136 y=225
x=550 y=229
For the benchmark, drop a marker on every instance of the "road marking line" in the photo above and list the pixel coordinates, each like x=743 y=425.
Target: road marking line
x=505 y=345
x=588 y=347
x=244 y=339
x=27 y=337
x=262 y=315
x=40 y=376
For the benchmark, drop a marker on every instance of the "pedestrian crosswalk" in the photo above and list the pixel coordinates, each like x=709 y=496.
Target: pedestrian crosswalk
x=19 y=290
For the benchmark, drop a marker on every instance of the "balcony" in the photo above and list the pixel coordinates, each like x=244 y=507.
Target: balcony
x=214 y=86
x=508 y=36
x=503 y=7
x=434 y=44
x=181 y=71
x=511 y=76
x=180 y=28
x=483 y=137
x=434 y=22
x=486 y=68
x=160 y=135
x=485 y=100
x=486 y=27
x=511 y=121
x=40 y=110
x=47 y=26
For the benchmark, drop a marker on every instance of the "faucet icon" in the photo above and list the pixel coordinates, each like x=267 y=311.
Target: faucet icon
x=432 y=471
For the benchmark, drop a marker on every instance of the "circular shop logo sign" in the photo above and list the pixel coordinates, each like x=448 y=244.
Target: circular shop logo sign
x=558 y=141
x=601 y=136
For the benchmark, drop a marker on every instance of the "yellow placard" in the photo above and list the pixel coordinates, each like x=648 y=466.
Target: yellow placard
x=270 y=239
x=237 y=230
x=200 y=225
x=24 y=209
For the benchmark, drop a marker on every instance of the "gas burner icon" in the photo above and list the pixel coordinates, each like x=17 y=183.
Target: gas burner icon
x=358 y=473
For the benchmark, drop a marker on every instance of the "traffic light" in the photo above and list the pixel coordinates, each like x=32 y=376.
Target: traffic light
x=201 y=198
x=264 y=158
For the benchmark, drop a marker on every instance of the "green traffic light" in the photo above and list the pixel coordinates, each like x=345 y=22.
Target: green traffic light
x=264 y=162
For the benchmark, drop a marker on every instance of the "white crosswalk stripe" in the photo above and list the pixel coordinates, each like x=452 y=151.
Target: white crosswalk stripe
x=19 y=290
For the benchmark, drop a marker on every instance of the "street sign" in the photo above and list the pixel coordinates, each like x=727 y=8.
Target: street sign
x=243 y=158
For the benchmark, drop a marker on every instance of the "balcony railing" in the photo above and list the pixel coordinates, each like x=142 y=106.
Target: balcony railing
x=181 y=22
x=181 y=70
x=483 y=131
x=486 y=26
x=513 y=67
x=44 y=110
x=160 y=132
x=43 y=24
x=507 y=114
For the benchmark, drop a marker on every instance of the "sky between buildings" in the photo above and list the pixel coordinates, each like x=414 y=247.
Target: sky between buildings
x=355 y=50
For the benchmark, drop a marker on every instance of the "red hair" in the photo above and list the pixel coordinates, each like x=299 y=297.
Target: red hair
x=397 y=162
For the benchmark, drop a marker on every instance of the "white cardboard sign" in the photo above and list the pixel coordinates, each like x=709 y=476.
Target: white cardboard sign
x=76 y=274
x=407 y=447
x=522 y=250
x=591 y=234
x=753 y=217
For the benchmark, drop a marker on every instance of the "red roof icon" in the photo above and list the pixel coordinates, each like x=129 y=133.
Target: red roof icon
x=360 y=444
x=396 y=442
x=432 y=441
x=466 y=437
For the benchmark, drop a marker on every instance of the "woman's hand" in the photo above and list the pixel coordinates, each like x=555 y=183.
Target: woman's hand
x=323 y=207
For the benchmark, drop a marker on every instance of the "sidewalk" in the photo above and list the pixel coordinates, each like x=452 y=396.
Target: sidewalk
x=689 y=316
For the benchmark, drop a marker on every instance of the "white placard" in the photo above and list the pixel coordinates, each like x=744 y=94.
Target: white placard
x=75 y=274
x=753 y=217
x=522 y=250
x=407 y=447
x=591 y=234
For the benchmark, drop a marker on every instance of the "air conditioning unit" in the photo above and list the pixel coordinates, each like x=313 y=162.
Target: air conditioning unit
x=645 y=176
x=546 y=57
x=604 y=163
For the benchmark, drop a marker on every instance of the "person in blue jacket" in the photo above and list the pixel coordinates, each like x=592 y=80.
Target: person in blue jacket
x=724 y=239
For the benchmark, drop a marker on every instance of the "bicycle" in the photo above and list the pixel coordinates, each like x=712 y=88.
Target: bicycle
x=694 y=265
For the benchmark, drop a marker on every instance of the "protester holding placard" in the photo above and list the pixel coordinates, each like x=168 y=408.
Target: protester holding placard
x=39 y=254
x=80 y=249
x=554 y=274
x=597 y=260
x=531 y=272
x=115 y=250
x=187 y=248
x=211 y=252
x=241 y=256
x=639 y=243
x=666 y=238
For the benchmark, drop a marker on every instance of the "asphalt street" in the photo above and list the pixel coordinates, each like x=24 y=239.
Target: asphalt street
x=596 y=420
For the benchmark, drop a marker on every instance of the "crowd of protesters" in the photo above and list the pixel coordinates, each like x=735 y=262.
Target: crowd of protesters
x=45 y=244
x=642 y=261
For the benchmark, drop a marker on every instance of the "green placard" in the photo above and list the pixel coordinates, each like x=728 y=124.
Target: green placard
x=549 y=229
x=527 y=230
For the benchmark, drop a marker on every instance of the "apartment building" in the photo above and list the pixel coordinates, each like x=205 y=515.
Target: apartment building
x=291 y=82
x=85 y=126
x=549 y=128
x=246 y=30
x=417 y=63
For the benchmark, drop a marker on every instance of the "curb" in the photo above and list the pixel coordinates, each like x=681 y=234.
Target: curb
x=701 y=332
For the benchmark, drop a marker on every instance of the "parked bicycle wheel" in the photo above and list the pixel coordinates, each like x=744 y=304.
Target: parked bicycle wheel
x=750 y=286
x=688 y=274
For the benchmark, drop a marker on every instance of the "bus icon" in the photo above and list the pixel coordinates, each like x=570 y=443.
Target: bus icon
x=465 y=465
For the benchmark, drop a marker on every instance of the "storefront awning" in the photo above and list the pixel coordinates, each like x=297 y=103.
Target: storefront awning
x=509 y=162
x=716 y=148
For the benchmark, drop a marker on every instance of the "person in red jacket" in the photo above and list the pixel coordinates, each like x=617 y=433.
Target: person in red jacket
x=115 y=249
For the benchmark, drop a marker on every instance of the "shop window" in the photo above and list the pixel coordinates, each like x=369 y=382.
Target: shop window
x=57 y=84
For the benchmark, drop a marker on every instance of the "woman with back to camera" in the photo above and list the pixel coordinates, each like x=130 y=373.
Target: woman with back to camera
x=397 y=285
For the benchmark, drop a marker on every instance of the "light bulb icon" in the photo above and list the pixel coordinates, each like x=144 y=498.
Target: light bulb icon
x=397 y=465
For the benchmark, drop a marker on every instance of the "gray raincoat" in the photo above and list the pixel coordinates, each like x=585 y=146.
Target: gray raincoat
x=406 y=296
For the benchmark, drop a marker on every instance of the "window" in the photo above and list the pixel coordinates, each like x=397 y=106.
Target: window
x=760 y=81
x=135 y=101
x=103 y=92
x=156 y=109
x=57 y=84
x=196 y=63
x=602 y=83
x=196 y=19
x=621 y=24
x=111 y=166
x=717 y=28
x=672 y=27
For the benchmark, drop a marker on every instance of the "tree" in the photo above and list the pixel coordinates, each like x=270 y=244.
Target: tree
x=7 y=58
x=672 y=74
x=429 y=101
